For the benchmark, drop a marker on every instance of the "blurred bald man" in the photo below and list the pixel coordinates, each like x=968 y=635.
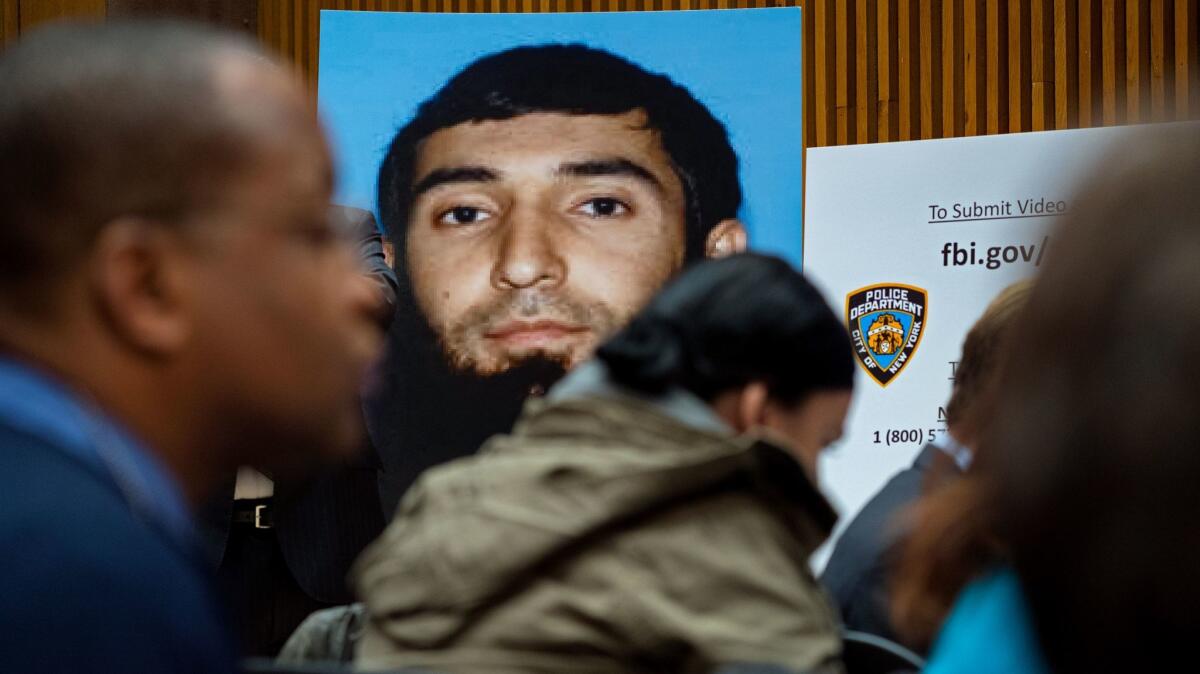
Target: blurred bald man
x=174 y=303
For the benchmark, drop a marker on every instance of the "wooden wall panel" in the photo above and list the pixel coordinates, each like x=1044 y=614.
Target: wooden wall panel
x=906 y=62
x=974 y=75
x=820 y=85
x=1066 y=63
x=842 y=64
x=1041 y=62
x=9 y=21
x=1187 y=63
x=963 y=67
x=887 y=71
x=874 y=70
x=236 y=14
x=952 y=68
x=866 y=80
x=33 y=12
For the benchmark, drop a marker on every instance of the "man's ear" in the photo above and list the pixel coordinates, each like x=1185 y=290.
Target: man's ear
x=138 y=285
x=727 y=238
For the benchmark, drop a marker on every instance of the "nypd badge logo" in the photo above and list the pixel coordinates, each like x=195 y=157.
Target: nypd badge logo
x=886 y=322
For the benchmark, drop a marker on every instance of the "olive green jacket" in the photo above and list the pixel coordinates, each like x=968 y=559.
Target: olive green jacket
x=602 y=535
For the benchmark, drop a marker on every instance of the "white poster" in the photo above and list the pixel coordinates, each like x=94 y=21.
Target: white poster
x=910 y=241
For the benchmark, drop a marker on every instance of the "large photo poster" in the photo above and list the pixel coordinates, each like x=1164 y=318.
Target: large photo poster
x=540 y=176
x=911 y=241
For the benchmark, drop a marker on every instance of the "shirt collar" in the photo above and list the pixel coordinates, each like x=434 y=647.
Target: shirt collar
x=949 y=445
x=42 y=406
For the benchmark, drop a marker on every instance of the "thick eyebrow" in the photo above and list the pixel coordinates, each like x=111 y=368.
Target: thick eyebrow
x=617 y=166
x=455 y=174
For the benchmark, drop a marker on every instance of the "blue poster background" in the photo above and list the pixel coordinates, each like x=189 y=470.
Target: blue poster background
x=376 y=67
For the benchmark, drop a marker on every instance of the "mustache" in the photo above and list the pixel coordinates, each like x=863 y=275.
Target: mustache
x=524 y=304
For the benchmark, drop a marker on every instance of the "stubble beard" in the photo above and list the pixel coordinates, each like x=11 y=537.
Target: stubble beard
x=467 y=349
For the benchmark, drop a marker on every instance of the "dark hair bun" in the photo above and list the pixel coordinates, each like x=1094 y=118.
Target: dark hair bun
x=649 y=357
x=723 y=323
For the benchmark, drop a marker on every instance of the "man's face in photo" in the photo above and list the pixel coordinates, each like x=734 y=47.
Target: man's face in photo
x=537 y=236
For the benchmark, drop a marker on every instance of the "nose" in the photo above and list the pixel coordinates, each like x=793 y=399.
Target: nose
x=527 y=255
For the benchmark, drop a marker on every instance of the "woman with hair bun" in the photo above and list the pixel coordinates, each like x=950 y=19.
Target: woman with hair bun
x=655 y=512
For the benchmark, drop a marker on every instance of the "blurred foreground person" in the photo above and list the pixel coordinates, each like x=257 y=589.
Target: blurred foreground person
x=1079 y=525
x=860 y=569
x=173 y=304
x=283 y=550
x=655 y=513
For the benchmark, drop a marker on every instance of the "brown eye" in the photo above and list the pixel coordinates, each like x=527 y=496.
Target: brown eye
x=463 y=215
x=603 y=207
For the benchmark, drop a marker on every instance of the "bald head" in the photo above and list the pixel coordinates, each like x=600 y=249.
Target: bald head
x=165 y=245
x=127 y=118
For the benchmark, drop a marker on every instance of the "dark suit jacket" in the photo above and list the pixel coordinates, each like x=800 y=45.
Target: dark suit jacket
x=324 y=522
x=860 y=567
x=85 y=586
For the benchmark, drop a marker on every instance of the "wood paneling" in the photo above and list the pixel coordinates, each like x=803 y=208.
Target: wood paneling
x=9 y=20
x=820 y=84
x=887 y=70
x=874 y=70
x=995 y=66
x=866 y=79
x=844 y=93
x=1066 y=63
x=973 y=71
x=236 y=14
x=33 y=12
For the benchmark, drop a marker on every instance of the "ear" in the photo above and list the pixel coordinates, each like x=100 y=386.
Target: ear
x=727 y=238
x=752 y=406
x=389 y=254
x=137 y=283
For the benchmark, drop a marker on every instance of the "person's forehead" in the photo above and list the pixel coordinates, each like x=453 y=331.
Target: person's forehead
x=280 y=136
x=261 y=101
x=281 y=176
x=550 y=137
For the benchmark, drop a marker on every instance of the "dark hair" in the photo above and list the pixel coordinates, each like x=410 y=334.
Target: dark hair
x=102 y=120
x=577 y=80
x=727 y=322
x=1096 y=444
x=1084 y=475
